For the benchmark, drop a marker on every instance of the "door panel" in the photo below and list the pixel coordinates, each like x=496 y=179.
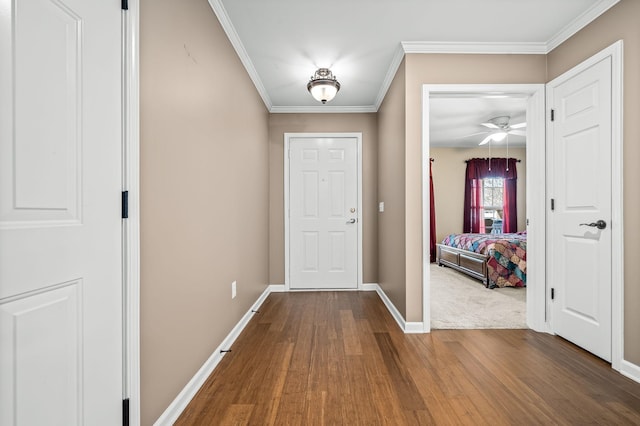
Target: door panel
x=580 y=266
x=53 y=316
x=60 y=226
x=323 y=198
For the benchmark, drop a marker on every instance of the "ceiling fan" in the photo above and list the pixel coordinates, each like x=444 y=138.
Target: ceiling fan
x=500 y=128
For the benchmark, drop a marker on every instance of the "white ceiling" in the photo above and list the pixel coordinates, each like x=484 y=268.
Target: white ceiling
x=282 y=42
x=455 y=121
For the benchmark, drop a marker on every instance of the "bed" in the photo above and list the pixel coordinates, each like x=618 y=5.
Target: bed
x=498 y=260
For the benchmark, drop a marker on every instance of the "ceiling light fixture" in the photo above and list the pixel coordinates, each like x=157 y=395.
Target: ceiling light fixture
x=323 y=86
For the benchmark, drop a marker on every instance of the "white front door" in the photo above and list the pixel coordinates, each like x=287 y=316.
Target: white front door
x=60 y=183
x=323 y=205
x=580 y=147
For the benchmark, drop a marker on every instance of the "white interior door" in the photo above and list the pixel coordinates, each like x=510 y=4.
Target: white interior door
x=60 y=183
x=323 y=206
x=580 y=156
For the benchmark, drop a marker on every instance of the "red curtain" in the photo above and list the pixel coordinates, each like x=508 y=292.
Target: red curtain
x=509 y=207
x=478 y=169
x=473 y=212
x=432 y=209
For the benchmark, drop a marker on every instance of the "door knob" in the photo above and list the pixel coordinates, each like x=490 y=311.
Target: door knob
x=601 y=224
x=351 y=221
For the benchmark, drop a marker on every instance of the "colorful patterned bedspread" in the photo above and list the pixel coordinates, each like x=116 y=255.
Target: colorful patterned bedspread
x=507 y=263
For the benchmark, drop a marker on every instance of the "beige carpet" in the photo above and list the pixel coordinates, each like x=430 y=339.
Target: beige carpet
x=458 y=301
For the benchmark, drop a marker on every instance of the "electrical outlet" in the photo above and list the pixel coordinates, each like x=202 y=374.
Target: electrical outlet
x=381 y=206
x=234 y=289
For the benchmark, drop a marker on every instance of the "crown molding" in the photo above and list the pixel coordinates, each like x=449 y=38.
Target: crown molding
x=230 y=30
x=579 y=23
x=478 y=48
x=398 y=56
x=322 y=109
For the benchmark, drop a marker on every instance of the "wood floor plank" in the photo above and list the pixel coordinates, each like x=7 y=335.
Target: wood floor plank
x=324 y=358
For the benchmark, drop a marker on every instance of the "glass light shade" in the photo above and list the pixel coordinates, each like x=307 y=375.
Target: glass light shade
x=499 y=136
x=324 y=92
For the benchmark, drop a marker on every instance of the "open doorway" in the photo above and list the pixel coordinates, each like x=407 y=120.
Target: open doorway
x=478 y=270
x=453 y=130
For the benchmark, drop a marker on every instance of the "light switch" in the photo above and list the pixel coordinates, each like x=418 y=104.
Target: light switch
x=381 y=206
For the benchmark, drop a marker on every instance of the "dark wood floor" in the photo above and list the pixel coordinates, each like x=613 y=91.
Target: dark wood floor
x=339 y=358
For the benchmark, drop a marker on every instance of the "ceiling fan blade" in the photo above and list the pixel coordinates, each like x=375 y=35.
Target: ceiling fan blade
x=486 y=140
x=518 y=125
x=472 y=134
x=517 y=132
x=490 y=125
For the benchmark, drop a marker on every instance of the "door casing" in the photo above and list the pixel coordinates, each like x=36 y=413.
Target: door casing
x=287 y=137
x=536 y=303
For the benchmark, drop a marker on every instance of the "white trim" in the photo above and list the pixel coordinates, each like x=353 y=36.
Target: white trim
x=615 y=51
x=536 y=300
x=131 y=226
x=369 y=287
x=630 y=370
x=617 y=202
x=536 y=306
x=426 y=207
x=480 y=48
x=398 y=56
x=234 y=38
x=395 y=313
x=173 y=411
x=276 y=288
x=414 y=328
x=406 y=327
x=287 y=137
x=319 y=109
x=579 y=23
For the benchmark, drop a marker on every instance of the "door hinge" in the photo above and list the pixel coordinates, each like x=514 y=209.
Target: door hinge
x=125 y=412
x=125 y=204
x=553 y=204
x=553 y=293
x=125 y=4
x=553 y=115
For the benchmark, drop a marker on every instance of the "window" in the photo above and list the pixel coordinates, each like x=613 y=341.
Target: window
x=492 y=197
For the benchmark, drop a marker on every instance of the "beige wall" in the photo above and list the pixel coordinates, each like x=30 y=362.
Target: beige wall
x=204 y=194
x=279 y=124
x=449 y=170
x=445 y=69
x=622 y=22
x=391 y=190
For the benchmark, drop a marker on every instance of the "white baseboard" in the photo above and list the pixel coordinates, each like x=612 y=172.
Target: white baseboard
x=277 y=288
x=413 y=327
x=630 y=370
x=178 y=405
x=407 y=327
x=369 y=287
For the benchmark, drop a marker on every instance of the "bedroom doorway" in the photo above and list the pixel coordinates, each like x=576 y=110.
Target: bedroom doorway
x=526 y=102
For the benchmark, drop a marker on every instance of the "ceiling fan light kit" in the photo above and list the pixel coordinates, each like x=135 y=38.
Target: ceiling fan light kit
x=500 y=129
x=323 y=85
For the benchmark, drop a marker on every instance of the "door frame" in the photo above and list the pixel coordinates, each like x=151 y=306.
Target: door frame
x=131 y=225
x=536 y=239
x=615 y=51
x=287 y=137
